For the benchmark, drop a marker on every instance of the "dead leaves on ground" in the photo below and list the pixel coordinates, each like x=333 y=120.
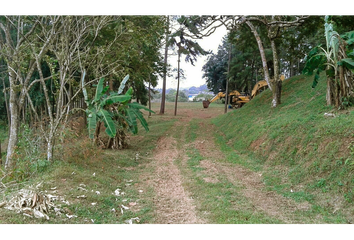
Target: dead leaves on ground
x=33 y=202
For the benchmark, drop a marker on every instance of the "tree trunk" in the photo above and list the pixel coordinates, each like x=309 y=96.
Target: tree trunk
x=50 y=145
x=179 y=60
x=227 y=80
x=261 y=50
x=163 y=97
x=276 y=83
x=292 y=71
x=0 y=155
x=149 y=95
x=14 y=121
x=7 y=105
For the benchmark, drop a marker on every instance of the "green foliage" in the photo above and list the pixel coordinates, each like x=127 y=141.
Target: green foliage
x=320 y=59
x=171 y=96
x=114 y=110
x=315 y=64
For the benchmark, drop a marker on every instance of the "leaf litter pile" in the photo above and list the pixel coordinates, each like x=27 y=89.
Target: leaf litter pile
x=34 y=202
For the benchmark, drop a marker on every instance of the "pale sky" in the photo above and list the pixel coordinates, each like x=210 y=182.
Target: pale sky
x=193 y=74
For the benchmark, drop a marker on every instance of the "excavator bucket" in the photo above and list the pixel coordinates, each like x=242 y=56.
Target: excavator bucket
x=206 y=104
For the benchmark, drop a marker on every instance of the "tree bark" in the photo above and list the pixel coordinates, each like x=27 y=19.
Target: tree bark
x=163 y=97
x=227 y=80
x=50 y=145
x=6 y=104
x=179 y=60
x=292 y=71
x=14 y=121
x=149 y=94
x=261 y=50
x=276 y=82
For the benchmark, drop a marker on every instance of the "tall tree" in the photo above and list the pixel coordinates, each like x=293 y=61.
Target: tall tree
x=26 y=41
x=163 y=97
x=273 y=24
x=191 y=49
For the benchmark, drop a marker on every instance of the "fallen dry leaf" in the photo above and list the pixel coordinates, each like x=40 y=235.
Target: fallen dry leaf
x=32 y=202
x=126 y=208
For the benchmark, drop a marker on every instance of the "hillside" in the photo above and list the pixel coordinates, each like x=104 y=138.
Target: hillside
x=301 y=153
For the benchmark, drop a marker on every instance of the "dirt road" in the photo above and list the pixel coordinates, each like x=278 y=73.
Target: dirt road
x=181 y=190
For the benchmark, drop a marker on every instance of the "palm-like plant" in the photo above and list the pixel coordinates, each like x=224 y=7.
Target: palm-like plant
x=191 y=49
x=335 y=61
x=115 y=111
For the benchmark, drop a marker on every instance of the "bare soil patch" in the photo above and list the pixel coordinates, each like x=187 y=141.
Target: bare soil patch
x=257 y=144
x=173 y=204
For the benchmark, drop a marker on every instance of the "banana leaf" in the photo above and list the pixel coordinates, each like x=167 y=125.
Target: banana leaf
x=139 y=106
x=348 y=37
x=129 y=92
x=122 y=84
x=131 y=117
x=99 y=90
x=347 y=62
x=141 y=118
x=114 y=99
x=108 y=123
x=92 y=120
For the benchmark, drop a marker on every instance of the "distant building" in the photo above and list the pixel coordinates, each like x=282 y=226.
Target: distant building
x=191 y=97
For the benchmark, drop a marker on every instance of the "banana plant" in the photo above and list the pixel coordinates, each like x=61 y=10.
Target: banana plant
x=320 y=59
x=114 y=110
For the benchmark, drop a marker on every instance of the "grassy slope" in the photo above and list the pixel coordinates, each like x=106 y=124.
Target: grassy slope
x=295 y=146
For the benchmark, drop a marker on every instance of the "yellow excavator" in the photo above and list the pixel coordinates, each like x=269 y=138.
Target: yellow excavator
x=238 y=99
x=262 y=85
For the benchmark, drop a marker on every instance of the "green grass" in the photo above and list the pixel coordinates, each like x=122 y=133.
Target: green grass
x=77 y=160
x=220 y=202
x=297 y=149
x=314 y=152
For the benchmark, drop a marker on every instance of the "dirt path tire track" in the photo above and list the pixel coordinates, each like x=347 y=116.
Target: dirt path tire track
x=173 y=203
x=269 y=202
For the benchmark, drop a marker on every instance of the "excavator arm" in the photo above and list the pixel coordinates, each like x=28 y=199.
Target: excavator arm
x=217 y=96
x=261 y=84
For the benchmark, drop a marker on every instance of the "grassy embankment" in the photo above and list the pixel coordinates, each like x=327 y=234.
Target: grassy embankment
x=301 y=154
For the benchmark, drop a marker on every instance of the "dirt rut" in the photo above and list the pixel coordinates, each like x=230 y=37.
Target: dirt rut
x=269 y=202
x=172 y=201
